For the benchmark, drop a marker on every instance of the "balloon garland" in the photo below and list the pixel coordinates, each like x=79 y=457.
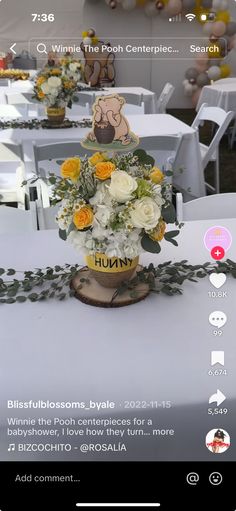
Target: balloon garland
x=218 y=26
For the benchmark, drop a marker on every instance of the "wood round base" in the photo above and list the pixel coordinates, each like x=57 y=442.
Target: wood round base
x=94 y=294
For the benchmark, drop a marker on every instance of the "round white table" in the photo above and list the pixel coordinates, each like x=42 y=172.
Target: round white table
x=221 y=94
x=158 y=349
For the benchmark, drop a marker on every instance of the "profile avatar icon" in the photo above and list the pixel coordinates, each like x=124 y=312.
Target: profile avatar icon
x=217 y=441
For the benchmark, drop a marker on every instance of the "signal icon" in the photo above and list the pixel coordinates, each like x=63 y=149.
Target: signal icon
x=190 y=16
x=176 y=18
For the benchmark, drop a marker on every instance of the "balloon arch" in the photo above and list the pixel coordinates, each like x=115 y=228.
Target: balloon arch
x=216 y=23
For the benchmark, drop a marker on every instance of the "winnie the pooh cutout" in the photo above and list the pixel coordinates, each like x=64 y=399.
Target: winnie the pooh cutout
x=110 y=127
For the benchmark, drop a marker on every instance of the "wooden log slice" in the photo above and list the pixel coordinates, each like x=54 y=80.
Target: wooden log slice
x=94 y=294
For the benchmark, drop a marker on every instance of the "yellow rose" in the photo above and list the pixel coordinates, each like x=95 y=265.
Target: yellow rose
x=159 y=231
x=70 y=169
x=56 y=72
x=83 y=218
x=96 y=158
x=41 y=80
x=104 y=170
x=156 y=175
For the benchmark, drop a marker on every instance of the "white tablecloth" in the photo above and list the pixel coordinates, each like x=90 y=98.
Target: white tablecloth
x=149 y=97
x=222 y=95
x=158 y=349
x=190 y=179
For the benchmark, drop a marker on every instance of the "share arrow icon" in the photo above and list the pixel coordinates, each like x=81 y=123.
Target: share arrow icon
x=218 y=398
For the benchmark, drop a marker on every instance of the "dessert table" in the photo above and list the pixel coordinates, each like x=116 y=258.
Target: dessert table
x=190 y=179
x=158 y=349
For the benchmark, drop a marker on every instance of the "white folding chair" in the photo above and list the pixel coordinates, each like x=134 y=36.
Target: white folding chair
x=211 y=153
x=47 y=155
x=163 y=149
x=25 y=104
x=85 y=103
x=8 y=112
x=211 y=207
x=164 y=98
x=134 y=104
x=46 y=216
x=13 y=220
x=11 y=189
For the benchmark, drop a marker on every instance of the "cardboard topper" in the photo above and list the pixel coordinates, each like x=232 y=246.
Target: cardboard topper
x=110 y=126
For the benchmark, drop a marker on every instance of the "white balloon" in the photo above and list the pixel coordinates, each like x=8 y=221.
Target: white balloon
x=214 y=72
x=188 y=89
x=128 y=5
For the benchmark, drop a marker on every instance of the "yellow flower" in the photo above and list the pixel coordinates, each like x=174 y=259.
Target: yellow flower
x=97 y=158
x=83 y=218
x=70 y=168
x=41 y=94
x=40 y=80
x=156 y=175
x=104 y=170
x=159 y=231
x=56 y=72
x=69 y=84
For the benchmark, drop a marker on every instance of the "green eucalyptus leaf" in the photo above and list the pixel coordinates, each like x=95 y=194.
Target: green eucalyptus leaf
x=62 y=234
x=149 y=245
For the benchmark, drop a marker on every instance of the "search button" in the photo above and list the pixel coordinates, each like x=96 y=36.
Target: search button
x=42 y=48
x=192 y=478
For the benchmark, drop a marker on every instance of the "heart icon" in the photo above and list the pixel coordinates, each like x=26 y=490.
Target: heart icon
x=217 y=279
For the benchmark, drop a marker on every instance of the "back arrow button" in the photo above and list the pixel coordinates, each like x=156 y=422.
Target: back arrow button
x=12 y=48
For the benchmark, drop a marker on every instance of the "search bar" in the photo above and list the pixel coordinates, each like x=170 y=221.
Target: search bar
x=132 y=48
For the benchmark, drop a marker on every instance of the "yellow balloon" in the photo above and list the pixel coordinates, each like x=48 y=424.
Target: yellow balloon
x=225 y=71
x=214 y=51
x=223 y=16
x=141 y=3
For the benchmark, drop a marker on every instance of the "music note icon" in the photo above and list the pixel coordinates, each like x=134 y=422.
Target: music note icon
x=11 y=447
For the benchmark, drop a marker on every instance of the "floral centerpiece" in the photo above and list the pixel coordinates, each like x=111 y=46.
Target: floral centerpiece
x=112 y=209
x=56 y=91
x=71 y=67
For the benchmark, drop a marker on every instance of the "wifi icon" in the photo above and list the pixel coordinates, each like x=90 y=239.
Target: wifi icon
x=190 y=16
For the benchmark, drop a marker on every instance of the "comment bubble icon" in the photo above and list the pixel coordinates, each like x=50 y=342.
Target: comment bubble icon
x=217 y=318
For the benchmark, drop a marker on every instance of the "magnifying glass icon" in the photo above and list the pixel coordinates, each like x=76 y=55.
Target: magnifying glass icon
x=42 y=48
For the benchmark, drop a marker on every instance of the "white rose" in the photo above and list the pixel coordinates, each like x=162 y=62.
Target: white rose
x=45 y=88
x=54 y=82
x=145 y=214
x=73 y=67
x=122 y=186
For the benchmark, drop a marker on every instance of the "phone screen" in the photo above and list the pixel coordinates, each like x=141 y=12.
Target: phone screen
x=118 y=254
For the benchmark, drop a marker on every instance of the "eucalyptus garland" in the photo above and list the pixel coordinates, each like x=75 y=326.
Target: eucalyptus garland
x=55 y=282
x=36 y=124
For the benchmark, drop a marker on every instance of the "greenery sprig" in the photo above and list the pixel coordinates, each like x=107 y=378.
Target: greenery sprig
x=36 y=124
x=168 y=277
x=42 y=284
